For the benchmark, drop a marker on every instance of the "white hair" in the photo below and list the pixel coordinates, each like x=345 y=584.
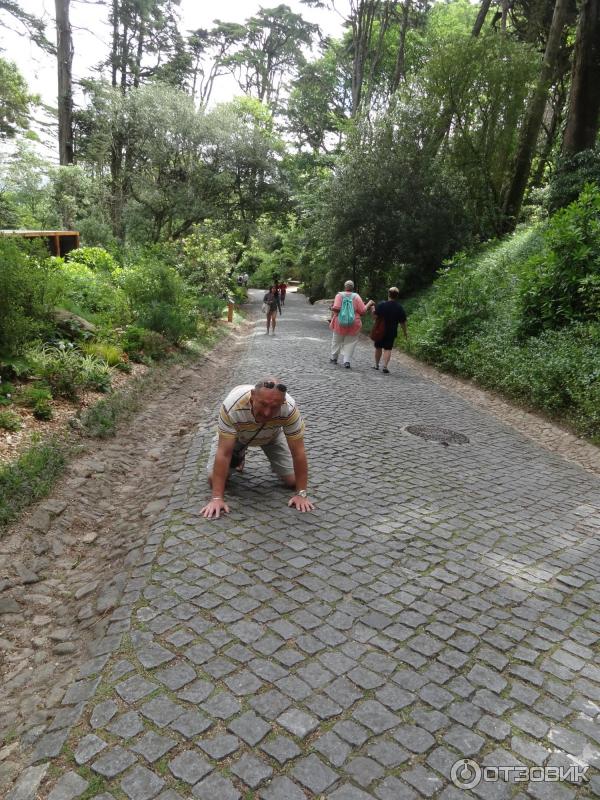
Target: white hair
x=349 y=285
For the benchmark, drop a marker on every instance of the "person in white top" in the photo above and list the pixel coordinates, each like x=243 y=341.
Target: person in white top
x=265 y=416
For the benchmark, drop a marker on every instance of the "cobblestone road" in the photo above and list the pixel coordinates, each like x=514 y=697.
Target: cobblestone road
x=441 y=603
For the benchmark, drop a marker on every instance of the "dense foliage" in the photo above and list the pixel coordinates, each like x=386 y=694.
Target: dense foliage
x=522 y=316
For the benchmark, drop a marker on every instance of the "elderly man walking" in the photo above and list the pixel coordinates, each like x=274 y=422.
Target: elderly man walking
x=347 y=309
x=266 y=416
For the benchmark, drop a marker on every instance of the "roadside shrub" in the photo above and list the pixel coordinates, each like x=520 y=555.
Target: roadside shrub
x=160 y=300
x=561 y=284
x=66 y=370
x=86 y=291
x=211 y=307
x=174 y=323
x=109 y=353
x=9 y=421
x=28 y=290
x=43 y=410
x=140 y=343
x=7 y=391
x=570 y=177
x=95 y=373
x=95 y=258
x=59 y=367
x=30 y=477
x=29 y=396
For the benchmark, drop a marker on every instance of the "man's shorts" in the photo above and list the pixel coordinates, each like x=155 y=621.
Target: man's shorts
x=277 y=452
x=385 y=344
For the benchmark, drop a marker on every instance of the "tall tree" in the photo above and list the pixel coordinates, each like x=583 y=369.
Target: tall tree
x=64 y=58
x=15 y=101
x=270 y=49
x=399 y=67
x=515 y=189
x=370 y=21
x=583 y=113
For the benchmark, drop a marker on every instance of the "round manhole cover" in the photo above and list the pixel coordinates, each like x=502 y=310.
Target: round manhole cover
x=434 y=433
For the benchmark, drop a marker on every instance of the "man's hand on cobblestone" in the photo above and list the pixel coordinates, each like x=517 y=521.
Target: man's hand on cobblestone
x=214 y=508
x=301 y=503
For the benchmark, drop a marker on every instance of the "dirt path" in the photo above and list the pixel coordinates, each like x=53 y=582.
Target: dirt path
x=63 y=566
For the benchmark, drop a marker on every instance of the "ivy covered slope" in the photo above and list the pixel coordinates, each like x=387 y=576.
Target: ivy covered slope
x=523 y=316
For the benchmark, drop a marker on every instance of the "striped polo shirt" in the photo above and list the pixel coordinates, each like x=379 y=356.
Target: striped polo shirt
x=236 y=420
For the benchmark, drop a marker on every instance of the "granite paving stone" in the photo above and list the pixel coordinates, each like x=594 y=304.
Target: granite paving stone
x=281 y=748
x=141 y=784
x=215 y=787
x=189 y=766
x=313 y=774
x=251 y=770
x=88 y=747
x=113 y=762
x=70 y=786
x=219 y=746
x=153 y=746
x=440 y=602
x=249 y=727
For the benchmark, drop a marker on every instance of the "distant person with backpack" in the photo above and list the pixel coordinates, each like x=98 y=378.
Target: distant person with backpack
x=388 y=315
x=347 y=309
x=271 y=304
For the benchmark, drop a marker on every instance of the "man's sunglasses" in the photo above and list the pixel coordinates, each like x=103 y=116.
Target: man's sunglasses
x=271 y=385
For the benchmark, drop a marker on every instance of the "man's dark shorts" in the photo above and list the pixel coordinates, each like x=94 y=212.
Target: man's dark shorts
x=386 y=344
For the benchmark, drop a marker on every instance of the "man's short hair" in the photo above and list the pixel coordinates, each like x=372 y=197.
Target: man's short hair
x=349 y=285
x=393 y=292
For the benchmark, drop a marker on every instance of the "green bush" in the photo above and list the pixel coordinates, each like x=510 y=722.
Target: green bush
x=105 y=351
x=141 y=343
x=95 y=373
x=7 y=391
x=9 y=421
x=30 y=477
x=96 y=258
x=571 y=175
x=160 y=300
x=59 y=367
x=42 y=410
x=66 y=370
x=91 y=293
x=29 y=396
x=478 y=333
x=211 y=307
x=28 y=291
x=561 y=284
x=174 y=323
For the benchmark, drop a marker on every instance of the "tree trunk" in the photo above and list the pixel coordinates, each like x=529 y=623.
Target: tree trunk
x=363 y=14
x=513 y=196
x=64 y=58
x=483 y=10
x=551 y=129
x=584 y=101
x=399 y=67
x=114 y=54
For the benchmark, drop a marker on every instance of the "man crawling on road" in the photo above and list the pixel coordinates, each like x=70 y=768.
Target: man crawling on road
x=263 y=415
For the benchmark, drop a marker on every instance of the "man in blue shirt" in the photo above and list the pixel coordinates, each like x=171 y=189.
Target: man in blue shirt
x=392 y=313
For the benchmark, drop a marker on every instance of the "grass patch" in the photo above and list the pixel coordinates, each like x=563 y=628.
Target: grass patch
x=101 y=420
x=30 y=477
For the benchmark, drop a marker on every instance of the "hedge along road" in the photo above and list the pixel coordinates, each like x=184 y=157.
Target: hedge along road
x=439 y=604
